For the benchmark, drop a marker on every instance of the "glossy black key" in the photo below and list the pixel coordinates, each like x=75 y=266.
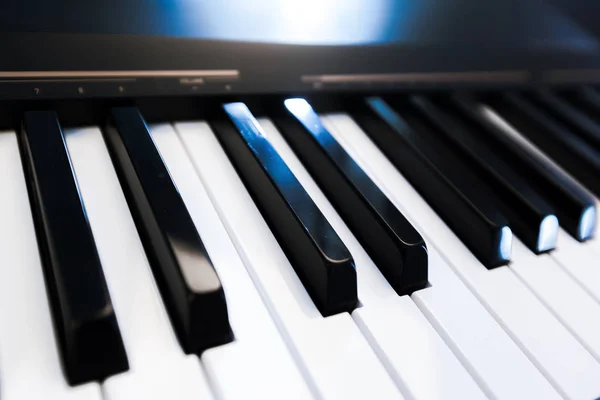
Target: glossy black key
x=445 y=183
x=574 y=205
x=88 y=334
x=314 y=249
x=568 y=150
x=592 y=96
x=391 y=241
x=576 y=120
x=588 y=99
x=188 y=282
x=529 y=215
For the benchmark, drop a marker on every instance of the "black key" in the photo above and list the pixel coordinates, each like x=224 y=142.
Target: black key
x=592 y=96
x=88 y=334
x=391 y=241
x=445 y=183
x=553 y=138
x=529 y=215
x=188 y=282
x=577 y=121
x=588 y=99
x=317 y=254
x=574 y=205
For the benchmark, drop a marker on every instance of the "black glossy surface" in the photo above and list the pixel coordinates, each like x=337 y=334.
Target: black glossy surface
x=553 y=138
x=88 y=334
x=321 y=260
x=522 y=24
x=518 y=200
x=390 y=240
x=197 y=307
x=568 y=198
x=577 y=121
x=590 y=99
x=297 y=38
x=445 y=183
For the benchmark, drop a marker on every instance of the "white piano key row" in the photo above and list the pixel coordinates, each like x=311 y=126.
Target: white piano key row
x=518 y=332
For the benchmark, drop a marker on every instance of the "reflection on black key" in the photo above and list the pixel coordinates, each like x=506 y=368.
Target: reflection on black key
x=567 y=149
x=188 y=282
x=314 y=249
x=530 y=216
x=87 y=331
x=391 y=241
x=447 y=185
x=573 y=204
x=576 y=120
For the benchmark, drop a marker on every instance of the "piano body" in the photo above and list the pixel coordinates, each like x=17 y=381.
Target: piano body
x=300 y=200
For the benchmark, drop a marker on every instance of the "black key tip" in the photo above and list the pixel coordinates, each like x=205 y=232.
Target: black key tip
x=209 y=321
x=86 y=360
x=343 y=296
x=587 y=224
x=503 y=252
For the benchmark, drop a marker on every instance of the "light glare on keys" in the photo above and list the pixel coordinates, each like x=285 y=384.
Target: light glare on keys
x=303 y=111
x=548 y=233
x=240 y=111
x=505 y=243
x=298 y=107
x=587 y=225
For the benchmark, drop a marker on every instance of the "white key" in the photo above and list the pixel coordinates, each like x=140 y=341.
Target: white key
x=488 y=353
x=547 y=343
x=561 y=294
x=158 y=368
x=30 y=367
x=580 y=261
x=257 y=365
x=330 y=351
x=429 y=370
x=408 y=346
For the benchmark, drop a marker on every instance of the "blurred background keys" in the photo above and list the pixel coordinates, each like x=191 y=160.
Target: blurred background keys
x=529 y=215
x=553 y=138
x=574 y=205
x=576 y=120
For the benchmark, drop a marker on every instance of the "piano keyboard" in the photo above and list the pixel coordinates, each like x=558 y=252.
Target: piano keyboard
x=418 y=247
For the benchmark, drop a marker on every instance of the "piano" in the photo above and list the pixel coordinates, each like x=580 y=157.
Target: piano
x=300 y=200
